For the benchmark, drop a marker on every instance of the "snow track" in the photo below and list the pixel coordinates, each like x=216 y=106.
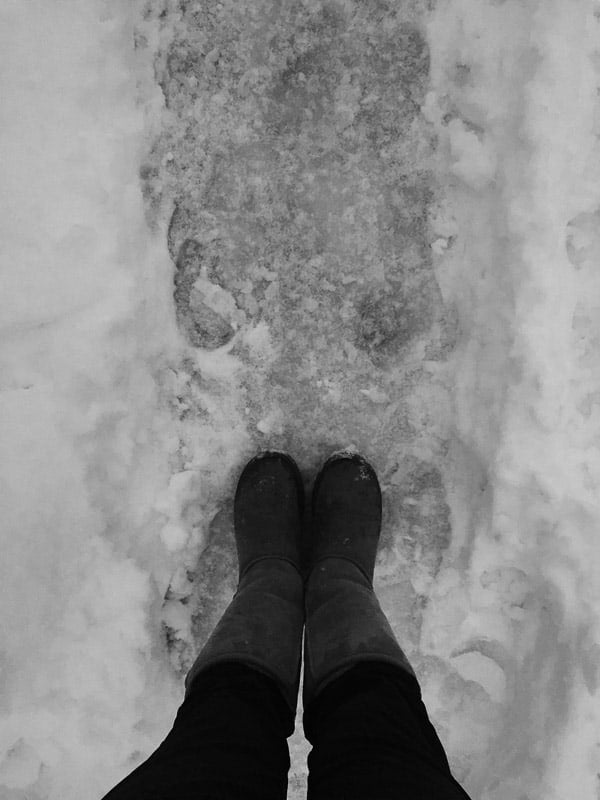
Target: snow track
x=312 y=227
x=516 y=85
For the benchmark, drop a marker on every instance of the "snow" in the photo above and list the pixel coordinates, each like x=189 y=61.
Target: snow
x=81 y=454
x=521 y=381
x=470 y=376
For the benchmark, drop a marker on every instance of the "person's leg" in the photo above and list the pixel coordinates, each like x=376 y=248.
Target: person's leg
x=229 y=737
x=372 y=740
x=371 y=736
x=228 y=742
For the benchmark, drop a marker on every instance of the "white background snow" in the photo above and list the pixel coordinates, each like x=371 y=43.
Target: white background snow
x=94 y=514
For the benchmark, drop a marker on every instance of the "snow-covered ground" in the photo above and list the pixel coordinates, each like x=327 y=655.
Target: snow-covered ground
x=242 y=225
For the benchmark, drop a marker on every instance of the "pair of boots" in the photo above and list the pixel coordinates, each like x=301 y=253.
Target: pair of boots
x=330 y=595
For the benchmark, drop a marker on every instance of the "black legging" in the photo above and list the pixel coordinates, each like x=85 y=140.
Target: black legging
x=370 y=734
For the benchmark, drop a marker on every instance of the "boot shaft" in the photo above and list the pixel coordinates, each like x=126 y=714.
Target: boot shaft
x=261 y=627
x=344 y=625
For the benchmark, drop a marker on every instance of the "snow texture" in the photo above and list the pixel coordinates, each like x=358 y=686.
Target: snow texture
x=354 y=225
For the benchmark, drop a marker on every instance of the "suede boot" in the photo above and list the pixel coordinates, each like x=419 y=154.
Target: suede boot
x=344 y=622
x=262 y=626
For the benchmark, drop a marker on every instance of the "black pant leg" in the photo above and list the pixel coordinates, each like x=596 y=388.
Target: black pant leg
x=228 y=742
x=372 y=740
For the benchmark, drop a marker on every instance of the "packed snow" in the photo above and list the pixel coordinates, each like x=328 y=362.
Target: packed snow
x=380 y=231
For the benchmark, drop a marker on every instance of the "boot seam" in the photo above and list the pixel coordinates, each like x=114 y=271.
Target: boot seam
x=269 y=557
x=341 y=558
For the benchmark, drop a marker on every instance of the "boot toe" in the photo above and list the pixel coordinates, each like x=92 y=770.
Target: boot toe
x=268 y=509
x=269 y=476
x=347 y=511
x=347 y=477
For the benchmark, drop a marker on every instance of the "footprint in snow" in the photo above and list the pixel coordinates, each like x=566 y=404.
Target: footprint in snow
x=201 y=307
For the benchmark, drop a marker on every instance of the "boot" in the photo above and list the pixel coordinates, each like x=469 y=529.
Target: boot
x=262 y=626
x=344 y=622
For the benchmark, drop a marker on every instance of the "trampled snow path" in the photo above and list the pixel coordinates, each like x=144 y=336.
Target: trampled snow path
x=304 y=226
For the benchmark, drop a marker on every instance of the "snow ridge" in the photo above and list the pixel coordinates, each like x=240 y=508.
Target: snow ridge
x=519 y=82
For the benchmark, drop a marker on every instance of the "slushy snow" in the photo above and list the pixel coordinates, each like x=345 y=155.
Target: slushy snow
x=101 y=504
